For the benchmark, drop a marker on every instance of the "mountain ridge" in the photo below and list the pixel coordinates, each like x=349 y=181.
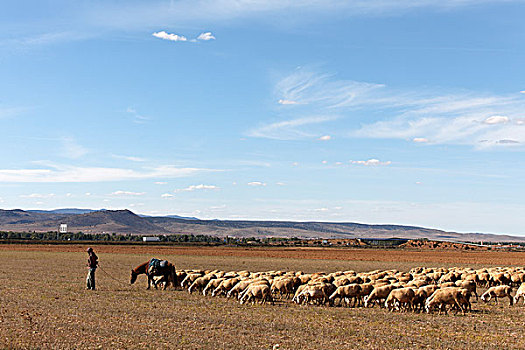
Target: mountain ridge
x=127 y=222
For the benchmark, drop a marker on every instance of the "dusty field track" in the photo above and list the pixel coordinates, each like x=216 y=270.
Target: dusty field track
x=43 y=303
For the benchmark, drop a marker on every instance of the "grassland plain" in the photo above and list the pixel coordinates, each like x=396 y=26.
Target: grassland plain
x=43 y=303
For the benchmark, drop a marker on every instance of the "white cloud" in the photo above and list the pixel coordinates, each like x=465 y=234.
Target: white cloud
x=496 y=119
x=65 y=174
x=168 y=36
x=420 y=140
x=87 y=194
x=370 y=162
x=324 y=162
x=256 y=184
x=161 y=183
x=287 y=102
x=38 y=195
x=206 y=36
x=280 y=184
x=325 y=138
x=197 y=187
x=166 y=195
x=127 y=193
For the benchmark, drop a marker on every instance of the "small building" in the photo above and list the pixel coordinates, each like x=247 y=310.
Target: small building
x=150 y=239
x=62 y=228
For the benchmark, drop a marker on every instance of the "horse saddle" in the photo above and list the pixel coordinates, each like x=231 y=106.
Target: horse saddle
x=156 y=264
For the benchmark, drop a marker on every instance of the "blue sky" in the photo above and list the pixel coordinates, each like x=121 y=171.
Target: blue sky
x=379 y=111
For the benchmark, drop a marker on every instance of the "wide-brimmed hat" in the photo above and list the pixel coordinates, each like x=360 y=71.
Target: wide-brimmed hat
x=89 y=249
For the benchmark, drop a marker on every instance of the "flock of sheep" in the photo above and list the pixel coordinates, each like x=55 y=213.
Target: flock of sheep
x=419 y=289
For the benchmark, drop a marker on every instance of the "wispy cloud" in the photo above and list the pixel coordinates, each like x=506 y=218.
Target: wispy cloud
x=65 y=174
x=370 y=162
x=197 y=187
x=137 y=117
x=256 y=184
x=325 y=138
x=126 y=193
x=71 y=148
x=206 y=36
x=167 y=195
x=323 y=91
x=287 y=102
x=290 y=129
x=422 y=116
x=130 y=158
x=149 y=14
x=38 y=195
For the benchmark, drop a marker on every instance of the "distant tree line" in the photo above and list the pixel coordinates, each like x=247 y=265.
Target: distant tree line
x=113 y=237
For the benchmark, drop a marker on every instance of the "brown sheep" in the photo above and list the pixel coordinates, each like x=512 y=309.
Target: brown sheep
x=225 y=286
x=444 y=297
x=497 y=291
x=520 y=294
x=255 y=291
x=469 y=285
x=311 y=293
x=190 y=277
x=422 y=293
x=378 y=294
x=403 y=297
x=283 y=286
x=347 y=293
x=212 y=285
x=200 y=283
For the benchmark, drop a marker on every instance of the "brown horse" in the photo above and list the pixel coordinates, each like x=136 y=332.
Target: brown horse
x=168 y=274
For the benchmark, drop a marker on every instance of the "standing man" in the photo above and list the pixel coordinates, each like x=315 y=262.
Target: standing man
x=92 y=266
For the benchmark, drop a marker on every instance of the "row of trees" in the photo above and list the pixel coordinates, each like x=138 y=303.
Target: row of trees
x=106 y=237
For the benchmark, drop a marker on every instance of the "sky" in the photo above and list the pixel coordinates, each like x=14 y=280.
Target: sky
x=378 y=111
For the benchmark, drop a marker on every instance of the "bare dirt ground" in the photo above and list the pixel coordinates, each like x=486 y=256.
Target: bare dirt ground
x=43 y=303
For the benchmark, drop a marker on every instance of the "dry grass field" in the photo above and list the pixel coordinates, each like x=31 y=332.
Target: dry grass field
x=43 y=303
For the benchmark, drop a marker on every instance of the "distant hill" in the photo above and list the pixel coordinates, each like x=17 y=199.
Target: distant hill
x=127 y=222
